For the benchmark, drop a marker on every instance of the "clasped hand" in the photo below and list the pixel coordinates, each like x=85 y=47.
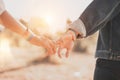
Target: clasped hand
x=65 y=42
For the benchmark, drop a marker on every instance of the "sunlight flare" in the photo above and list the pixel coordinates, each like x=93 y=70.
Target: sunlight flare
x=49 y=19
x=5 y=53
x=4 y=45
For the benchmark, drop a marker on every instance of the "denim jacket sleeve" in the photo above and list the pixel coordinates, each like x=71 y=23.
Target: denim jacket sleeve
x=98 y=13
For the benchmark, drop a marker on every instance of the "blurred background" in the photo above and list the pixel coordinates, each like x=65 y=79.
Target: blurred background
x=20 y=60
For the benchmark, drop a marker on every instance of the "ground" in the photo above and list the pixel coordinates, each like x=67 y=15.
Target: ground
x=76 y=67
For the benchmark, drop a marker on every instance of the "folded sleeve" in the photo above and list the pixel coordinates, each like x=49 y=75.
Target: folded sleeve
x=2 y=7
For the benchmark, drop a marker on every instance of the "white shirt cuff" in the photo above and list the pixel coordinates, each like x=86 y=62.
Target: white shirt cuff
x=79 y=27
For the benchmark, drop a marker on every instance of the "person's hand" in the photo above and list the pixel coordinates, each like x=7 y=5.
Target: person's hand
x=66 y=42
x=46 y=43
x=49 y=45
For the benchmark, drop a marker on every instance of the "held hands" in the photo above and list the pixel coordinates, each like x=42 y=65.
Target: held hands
x=65 y=42
x=49 y=45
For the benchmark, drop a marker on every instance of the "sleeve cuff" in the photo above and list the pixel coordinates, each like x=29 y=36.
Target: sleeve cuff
x=79 y=27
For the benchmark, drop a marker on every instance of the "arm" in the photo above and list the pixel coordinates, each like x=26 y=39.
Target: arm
x=95 y=16
x=9 y=22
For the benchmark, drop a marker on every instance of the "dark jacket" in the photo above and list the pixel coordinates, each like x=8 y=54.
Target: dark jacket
x=104 y=15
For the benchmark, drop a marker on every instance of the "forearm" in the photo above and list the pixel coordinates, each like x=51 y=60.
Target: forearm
x=9 y=22
x=95 y=16
x=37 y=40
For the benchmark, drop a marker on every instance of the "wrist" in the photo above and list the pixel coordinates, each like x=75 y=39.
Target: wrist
x=79 y=28
x=73 y=35
x=27 y=35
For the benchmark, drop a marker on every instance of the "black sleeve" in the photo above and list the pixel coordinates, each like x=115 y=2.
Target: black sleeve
x=98 y=13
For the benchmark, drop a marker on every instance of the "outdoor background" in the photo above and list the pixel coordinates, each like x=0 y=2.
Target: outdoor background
x=20 y=60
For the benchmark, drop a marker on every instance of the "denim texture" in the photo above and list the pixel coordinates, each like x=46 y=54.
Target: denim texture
x=104 y=15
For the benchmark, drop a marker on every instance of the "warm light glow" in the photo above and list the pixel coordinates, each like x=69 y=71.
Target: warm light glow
x=52 y=20
x=49 y=19
x=4 y=45
x=5 y=54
